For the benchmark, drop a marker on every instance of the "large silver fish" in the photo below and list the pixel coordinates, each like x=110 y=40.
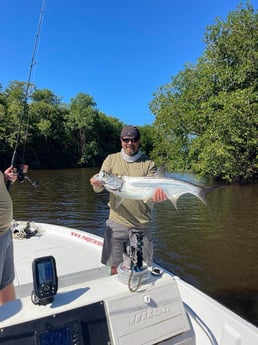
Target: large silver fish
x=143 y=188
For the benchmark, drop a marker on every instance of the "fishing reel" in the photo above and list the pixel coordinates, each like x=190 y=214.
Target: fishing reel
x=21 y=171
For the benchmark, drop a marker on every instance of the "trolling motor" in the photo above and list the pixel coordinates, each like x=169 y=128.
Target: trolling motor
x=132 y=270
x=21 y=171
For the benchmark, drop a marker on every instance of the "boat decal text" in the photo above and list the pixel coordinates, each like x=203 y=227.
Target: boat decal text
x=86 y=238
x=147 y=314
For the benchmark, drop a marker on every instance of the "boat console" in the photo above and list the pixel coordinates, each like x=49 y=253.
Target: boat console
x=152 y=315
x=66 y=297
x=85 y=305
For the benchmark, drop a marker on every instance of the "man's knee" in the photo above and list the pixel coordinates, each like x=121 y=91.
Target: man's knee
x=7 y=294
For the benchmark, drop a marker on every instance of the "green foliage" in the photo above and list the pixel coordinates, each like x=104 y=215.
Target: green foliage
x=13 y=109
x=206 y=118
x=54 y=135
x=46 y=141
x=147 y=138
x=46 y=96
x=96 y=134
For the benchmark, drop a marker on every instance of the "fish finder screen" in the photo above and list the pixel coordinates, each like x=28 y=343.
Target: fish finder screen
x=68 y=334
x=61 y=336
x=45 y=272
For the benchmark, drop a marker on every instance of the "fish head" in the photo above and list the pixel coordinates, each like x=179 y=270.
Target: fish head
x=110 y=181
x=103 y=176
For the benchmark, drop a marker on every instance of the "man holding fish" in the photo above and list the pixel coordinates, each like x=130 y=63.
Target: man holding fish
x=127 y=216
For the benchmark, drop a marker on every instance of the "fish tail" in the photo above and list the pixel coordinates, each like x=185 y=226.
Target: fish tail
x=205 y=191
x=203 y=196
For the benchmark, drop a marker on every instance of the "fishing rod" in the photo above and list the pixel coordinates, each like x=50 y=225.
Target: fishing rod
x=22 y=169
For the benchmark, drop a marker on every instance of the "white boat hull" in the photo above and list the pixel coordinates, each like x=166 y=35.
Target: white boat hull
x=93 y=307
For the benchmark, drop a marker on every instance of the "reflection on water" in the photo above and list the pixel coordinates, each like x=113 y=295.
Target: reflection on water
x=214 y=249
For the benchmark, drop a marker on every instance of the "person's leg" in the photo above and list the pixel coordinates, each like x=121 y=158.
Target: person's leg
x=113 y=247
x=7 y=294
x=7 y=291
x=113 y=270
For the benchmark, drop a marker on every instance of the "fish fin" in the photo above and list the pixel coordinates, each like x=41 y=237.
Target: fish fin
x=160 y=173
x=119 y=201
x=174 y=199
x=201 y=196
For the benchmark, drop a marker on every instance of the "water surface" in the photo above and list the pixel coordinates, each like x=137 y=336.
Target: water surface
x=215 y=248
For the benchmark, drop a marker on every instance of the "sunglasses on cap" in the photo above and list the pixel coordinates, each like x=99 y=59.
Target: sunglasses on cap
x=127 y=140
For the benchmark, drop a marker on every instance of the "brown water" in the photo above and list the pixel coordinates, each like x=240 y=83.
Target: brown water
x=214 y=249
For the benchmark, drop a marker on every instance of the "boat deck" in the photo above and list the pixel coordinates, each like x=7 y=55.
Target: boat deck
x=164 y=310
x=77 y=256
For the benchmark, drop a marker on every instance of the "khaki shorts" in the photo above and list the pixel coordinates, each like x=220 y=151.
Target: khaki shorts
x=116 y=239
x=6 y=260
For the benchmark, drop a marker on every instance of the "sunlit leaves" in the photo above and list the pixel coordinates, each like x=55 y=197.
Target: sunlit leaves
x=206 y=118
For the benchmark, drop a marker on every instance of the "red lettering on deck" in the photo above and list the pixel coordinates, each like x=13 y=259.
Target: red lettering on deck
x=87 y=238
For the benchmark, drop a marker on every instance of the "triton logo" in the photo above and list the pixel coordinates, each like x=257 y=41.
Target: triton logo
x=147 y=314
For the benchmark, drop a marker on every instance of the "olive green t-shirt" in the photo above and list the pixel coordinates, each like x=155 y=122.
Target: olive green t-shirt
x=131 y=213
x=6 y=207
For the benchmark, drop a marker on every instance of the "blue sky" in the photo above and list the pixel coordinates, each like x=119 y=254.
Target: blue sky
x=118 y=51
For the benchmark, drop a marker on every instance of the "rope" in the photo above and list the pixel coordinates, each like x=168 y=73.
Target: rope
x=130 y=281
x=25 y=230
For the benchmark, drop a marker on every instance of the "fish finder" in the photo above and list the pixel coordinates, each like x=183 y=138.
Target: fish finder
x=45 y=280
